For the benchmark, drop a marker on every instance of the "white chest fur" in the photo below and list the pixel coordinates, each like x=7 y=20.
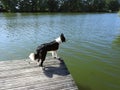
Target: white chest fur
x=58 y=40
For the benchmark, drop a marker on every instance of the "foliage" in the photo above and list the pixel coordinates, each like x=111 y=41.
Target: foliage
x=113 y=5
x=59 y=5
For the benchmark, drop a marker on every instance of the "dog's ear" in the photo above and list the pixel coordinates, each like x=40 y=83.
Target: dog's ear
x=63 y=37
x=62 y=34
x=32 y=56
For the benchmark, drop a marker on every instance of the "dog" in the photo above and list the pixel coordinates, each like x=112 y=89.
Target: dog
x=42 y=50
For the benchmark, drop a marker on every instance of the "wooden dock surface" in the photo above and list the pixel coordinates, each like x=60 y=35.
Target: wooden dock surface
x=20 y=75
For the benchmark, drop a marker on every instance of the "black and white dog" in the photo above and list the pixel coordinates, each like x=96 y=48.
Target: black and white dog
x=42 y=50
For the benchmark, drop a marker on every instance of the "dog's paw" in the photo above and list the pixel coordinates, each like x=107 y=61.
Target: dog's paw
x=41 y=65
x=55 y=57
x=59 y=58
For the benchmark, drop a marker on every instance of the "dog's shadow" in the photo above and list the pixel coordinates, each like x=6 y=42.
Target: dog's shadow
x=61 y=70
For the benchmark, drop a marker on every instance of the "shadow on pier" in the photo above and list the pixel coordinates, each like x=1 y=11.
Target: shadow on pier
x=60 y=70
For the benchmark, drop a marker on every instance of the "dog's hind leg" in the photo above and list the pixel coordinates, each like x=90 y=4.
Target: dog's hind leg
x=38 y=62
x=41 y=64
x=43 y=56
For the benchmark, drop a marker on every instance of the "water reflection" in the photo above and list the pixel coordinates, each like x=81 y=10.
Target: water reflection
x=117 y=40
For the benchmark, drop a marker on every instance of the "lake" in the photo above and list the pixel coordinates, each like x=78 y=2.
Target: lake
x=92 y=50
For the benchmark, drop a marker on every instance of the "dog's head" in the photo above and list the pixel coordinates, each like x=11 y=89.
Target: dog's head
x=63 y=39
x=32 y=56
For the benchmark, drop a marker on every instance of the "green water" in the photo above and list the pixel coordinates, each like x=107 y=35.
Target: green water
x=92 y=50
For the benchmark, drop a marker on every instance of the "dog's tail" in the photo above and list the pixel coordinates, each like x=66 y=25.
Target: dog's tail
x=32 y=56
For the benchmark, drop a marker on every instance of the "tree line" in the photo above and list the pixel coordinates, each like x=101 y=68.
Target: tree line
x=59 y=5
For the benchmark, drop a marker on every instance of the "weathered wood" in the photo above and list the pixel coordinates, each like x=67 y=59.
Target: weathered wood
x=20 y=75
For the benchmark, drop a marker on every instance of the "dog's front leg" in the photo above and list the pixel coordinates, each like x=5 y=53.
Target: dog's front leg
x=54 y=54
x=43 y=56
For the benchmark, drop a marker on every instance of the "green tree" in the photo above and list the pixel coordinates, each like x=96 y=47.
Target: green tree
x=9 y=5
x=93 y=5
x=43 y=6
x=112 y=5
x=99 y=5
x=52 y=5
x=71 y=5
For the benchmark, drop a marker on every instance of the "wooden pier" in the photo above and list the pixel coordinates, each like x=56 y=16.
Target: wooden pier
x=20 y=75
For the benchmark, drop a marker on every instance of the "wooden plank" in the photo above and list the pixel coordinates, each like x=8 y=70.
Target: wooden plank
x=20 y=75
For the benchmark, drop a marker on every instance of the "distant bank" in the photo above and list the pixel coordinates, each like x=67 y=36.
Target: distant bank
x=59 y=5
